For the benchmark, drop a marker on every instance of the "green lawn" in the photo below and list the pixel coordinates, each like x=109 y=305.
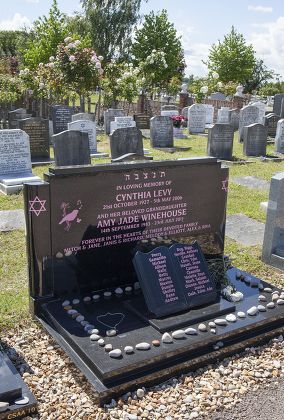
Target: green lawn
x=13 y=267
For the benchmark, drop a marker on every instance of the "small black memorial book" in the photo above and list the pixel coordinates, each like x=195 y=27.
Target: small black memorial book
x=174 y=279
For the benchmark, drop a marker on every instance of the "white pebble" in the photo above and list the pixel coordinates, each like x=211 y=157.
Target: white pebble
x=252 y=311
x=220 y=321
x=236 y=297
x=260 y=286
x=270 y=305
x=116 y=353
x=66 y=303
x=136 y=285
x=95 y=331
x=191 y=331
x=280 y=302
x=241 y=314
x=140 y=393
x=75 y=301
x=128 y=290
x=118 y=291
x=72 y=312
x=178 y=334
x=262 y=298
x=166 y=338
x=108 y=347
x=202 y=327
x=212 y=324
x=143 y=346
x=261 y=308
x=87 y=299
x=94 y=337
x=111 y=333
x=231 y=318
x=267 y=290
x=101 y=342
x=128 y=349
x=107 y=295
x=84 y=323
x=213 y=331
x=80 y=318
x=22 y=401
x=96 y=297
x=3 y=406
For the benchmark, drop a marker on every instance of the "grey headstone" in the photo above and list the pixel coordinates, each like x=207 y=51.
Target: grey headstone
x=142 y=121
x=234 y=118
x=71 y=148
x=218 y=96
x=184 y=113
x=255 y=140
x=220 y=141
x=248 y=115
x=261 y=107
x=196 y=118
x=15 y=115
x=282 y=109
x=273 y=244
x=61 y=116
x=109 y=116
x=169 y=113
x=223 y=115
x=12 y=220
x=277 y=103
x=161 y=132
x=209 y=113
x=38 y=130
x=86 y=126
x=126 y=140
x=270 y=121
x=252 y=182
x=122 y=122
x=279 y=138
x=83 y=116
x=169 y=107
x=244 y=230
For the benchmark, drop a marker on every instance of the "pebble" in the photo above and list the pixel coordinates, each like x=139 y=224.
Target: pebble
x=213 y=331
x=252 y=311
x=87 y=299
x=115 y=354
x=67 y=308
x=108 y=347
x=107 y=295
x=261 y=308
x=84 y=323
x=212 y=324
x=282 y=295
x=270 y=305
x=66 y=303
x=156 y=343
x=118 y=292
x=274 y=297
x=88 y=328
x=190 y=331
x=143 y=346
x=231 y=318
x=22 y=401
x=96 y=298
x=128 y=290
x=262 y=298
x=247 y=279
x=101 y=342
x=75 y=301
x=267 y=290
x=80 y=318
x=202 y=327
x=3 y=406
x=254 y=282
x=95 y=331
x=178 y=334
x=220 y=321
x=280 y=302
x=140 y=393
x=136 y=285
x=237 y=296
x=166 y=338
x=72 y=312
x=94 y=337
x=241 y=314
x=128 y=349
x=111 y=333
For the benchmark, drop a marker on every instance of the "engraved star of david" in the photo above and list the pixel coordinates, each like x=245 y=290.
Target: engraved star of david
x=37 y=206
x=225 y=185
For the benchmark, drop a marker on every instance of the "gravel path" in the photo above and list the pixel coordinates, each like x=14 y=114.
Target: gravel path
x=63 y=393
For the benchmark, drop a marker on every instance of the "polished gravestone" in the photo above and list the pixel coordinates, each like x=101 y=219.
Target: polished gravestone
x=61 y=115
x=71 y=148
x=37 y=129
x=161 y=132
x=126 y=140
x=255 y=140
x=81 y=246
x=220 y=141
x=12 y=390
x=142 y=121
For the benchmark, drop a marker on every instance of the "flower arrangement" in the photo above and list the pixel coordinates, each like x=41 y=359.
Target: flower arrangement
x=177 y=120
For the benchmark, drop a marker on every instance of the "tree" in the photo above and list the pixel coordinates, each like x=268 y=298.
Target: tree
x=232 y=59
x=11 y=42
x=259 y=77
x=157 y=38
x=47 y=33
x=109 y=24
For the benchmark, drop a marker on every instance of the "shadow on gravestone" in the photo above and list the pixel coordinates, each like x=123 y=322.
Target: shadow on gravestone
x=71 y=148
x=126 y=140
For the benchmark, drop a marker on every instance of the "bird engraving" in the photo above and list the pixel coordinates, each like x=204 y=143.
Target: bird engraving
x=71 y=216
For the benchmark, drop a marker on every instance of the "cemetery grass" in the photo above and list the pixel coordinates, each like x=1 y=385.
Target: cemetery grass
x=13 y=264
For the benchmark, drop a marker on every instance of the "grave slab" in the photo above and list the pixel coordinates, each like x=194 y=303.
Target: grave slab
x=243 y=229
x=251 y=182
x=11 y=220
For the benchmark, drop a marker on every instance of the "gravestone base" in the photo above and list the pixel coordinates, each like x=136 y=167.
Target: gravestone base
x=113 y=377
x=11 y=185
x=236 y=162
x=40 y=161
x=271 y=159
x=99 y=155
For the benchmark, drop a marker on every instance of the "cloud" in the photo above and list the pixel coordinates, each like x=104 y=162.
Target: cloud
x=17 y=22
x=194 y=52
x=268 y=43
x=32 y=1
x=260 y=9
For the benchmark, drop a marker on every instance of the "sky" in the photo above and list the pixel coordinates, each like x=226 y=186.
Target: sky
x=200 y=24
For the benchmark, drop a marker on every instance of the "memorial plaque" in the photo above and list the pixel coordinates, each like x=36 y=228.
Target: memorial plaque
x=277 y=103
x=234 y=118
x=109 y=116
x=220 y=141
x=61 y=116
x=162 y=291
x=122 y=122
x=248 y=115
x=161 y=132
x=126 y=140
x=83 y=116
x=270 y=121
x=196 y=118
x=279 y=138
x=88 y=127
x=71 y=148
x=37 y=129
x=255 y=140
x=142 y=121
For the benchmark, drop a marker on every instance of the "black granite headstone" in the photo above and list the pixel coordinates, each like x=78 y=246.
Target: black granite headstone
x=10 y=388
x=142 y=121
x=255 y=140
x=71 y=148
x=126 y=140
x=61 y=116
x=270 y=121
x=220 y=141
x=38 y=130
x=277 y=103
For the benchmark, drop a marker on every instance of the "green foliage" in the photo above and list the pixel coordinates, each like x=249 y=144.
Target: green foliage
x=47 y=33
x=11 y=88
x=158 y=51
x=110 y=24
x=232 y=58
x=259 y=77
x=12 y=42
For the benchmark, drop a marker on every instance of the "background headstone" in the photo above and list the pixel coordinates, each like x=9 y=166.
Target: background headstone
x=169 y=107
x=71 y=148
x=277 y=103
x=37 y=129
x=142 y=121
x=61 y=116
x=220 y=141
x=248 y=115
x=15 y=161
x=209 y=114
x=234 y=118
x=218 y=96
x=122 y=122
x=109 y=116
x=223 y=115
x=255 y=140
x=261 y=107
x=282 y=109
x=184 y=113
x=14 y=116
x=83 y=116
x=88 y=127
x=279 y=138
x=270 y=121
x=196 y=118
x=169 y=113
x=161 y=132
x=126 y=140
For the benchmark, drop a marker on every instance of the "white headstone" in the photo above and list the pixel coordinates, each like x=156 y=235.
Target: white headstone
x=196 y=118
x=209 y=113
x=279 y=138
x=15 y=161
x=223 y=115
x=261 y=106
x=248 y=115
x=122 y=122
x=169 y=113
x=86 y=126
